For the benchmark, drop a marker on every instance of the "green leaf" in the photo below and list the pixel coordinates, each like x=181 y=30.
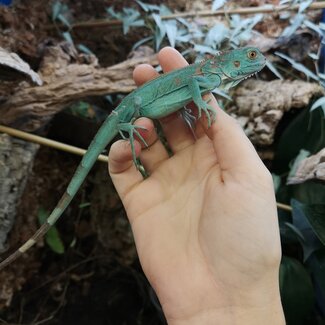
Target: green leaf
x=311 y=243
x=295 y=230
x=297 y=293
x=111 y=12
x=306 y=131
x=316 y=216
x=160 y=31
x=171 y=31
x=296 y=23
x=304 y=5
x=147 y=7
x=164 y=10
x=67 y=36
x=303 y=154
x=84 y=205
x=320 y=102
x=221 y=93
x=52 y=237
x=274 y=69
x=314 y=56
x=130 y=18
x=309 y=24
x=56 y=9
x=217 y=4
x=298 y=66
x=142 y=41
x=64 y=20
x=204 y=49
x=84 y=49
x=316 y=265
x=309 y=192
x=276 y=182
x=216 y=35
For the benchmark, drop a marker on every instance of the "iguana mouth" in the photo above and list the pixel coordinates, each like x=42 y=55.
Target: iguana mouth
x=230 y=82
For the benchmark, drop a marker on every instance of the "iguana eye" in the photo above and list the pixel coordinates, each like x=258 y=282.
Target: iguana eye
x=252 y=55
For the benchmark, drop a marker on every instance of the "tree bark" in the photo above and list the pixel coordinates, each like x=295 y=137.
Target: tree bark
x=66 y=78
x=16 y=161
x=260 y=105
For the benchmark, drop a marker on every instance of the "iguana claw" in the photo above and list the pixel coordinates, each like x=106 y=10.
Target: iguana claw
x=189 y=119
x=131 y=129
x=208 y=110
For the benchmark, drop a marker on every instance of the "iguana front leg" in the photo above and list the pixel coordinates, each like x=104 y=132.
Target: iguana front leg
x=195 y=85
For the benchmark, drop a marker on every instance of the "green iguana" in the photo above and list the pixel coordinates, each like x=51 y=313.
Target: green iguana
x=158 y=98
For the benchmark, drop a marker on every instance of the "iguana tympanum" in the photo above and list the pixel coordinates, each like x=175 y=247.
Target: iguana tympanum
x=158 y=98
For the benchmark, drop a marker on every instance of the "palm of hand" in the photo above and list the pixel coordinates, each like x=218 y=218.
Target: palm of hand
x=189 y=215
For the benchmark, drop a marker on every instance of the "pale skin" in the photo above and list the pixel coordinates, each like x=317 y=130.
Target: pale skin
x=205 y=220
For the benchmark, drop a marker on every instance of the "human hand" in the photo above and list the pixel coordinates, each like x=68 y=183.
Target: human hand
x=205 y=220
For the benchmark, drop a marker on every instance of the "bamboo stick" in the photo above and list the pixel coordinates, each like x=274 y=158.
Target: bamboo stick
x=202 y=13
x=72 y=149
x=47 y=142
x=284 y=206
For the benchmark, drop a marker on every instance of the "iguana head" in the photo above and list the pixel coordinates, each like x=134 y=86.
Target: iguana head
x=239 y=64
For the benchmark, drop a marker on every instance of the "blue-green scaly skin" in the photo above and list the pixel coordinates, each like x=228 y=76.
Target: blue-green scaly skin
x=156 y=99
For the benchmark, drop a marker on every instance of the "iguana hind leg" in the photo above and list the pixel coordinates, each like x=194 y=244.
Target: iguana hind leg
x=189 y=119
x=132 y=130
x=126 y=125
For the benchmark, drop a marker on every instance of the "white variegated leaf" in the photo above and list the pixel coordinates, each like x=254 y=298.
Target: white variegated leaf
x=12 y=60
x=304 y=5
x=171 y=31
x=296 y=23
x=320 y=102
x=313 y=27
x=217 y=4
x=298 y=66
x=274 y=69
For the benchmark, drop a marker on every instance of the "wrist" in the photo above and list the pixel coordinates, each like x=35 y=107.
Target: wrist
x=268 y=315
x=254 y=306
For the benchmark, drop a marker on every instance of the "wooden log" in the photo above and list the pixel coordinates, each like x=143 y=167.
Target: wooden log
x=260 y=105
x=65 y=79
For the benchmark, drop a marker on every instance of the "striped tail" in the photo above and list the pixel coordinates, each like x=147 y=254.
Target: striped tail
x=105 y=134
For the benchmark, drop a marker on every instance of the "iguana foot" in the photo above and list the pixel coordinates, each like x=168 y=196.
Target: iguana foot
x=207 y=109
x=189 y=119
x=131 y=129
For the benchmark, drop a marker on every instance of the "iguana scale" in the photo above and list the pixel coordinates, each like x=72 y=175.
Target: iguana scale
x=156 y=99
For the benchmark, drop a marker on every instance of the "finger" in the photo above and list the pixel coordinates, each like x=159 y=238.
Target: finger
x=153 y=155
x=122 y=170
x=143 y=73
x=156 y=153
x=176 y=131
x=170 y=59
x=234 y=151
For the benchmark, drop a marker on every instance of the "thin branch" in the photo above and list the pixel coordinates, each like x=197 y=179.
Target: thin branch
x=284 y=206
x=71 y=149
x=243 y=11
x=47 y=142
x=202 y=13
